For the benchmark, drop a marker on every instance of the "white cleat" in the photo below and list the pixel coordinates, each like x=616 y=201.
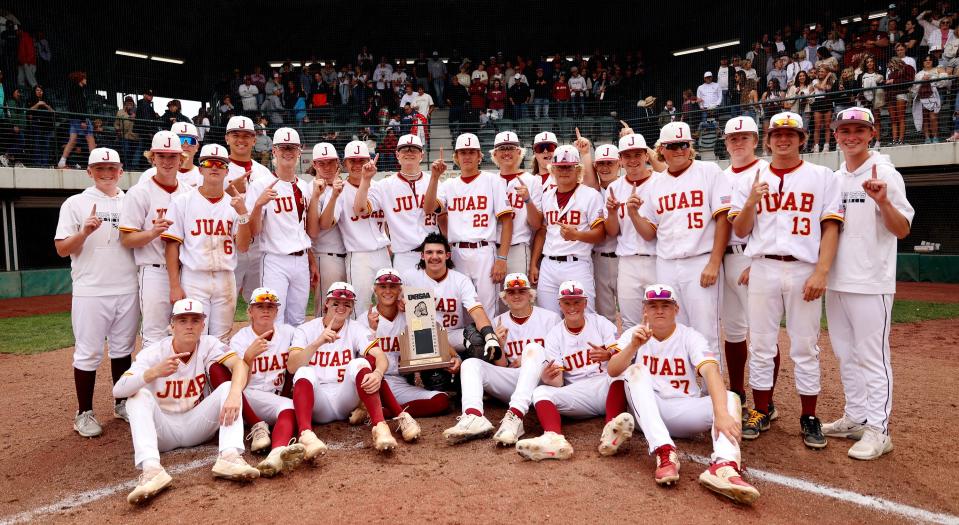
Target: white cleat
x=872 y=445
x=844 y=428
x=548 y=446
x=468 y=426
x=510 y=430
x=314 y=447
x=259 y=437
x=383 y=439
x=149 y=485
x=282 y=459
x=615 y=433
x=233 y=467
x=408 y=427
x=359 y=415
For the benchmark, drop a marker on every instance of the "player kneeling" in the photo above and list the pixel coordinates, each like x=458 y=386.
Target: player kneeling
x=330 y=374
x=167 y=407
x=660 y=359
x=510 y=378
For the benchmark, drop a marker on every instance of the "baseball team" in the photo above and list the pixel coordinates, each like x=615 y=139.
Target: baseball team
x=620 y=281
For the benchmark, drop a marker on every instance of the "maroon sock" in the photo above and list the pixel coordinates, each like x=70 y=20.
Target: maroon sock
x=549 y=417
x=808 y=405
x=84 y=382
x=391 y=407
x=615 y=400
x=370 y=401
x=283 y=429
x=433 y=406
x=761 y=400
x=736 y=355
x=220 y=374
x=303 y=405
x=474 y=412
x=775 y=373
x=517 y=413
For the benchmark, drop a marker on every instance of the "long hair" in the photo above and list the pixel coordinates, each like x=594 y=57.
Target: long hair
x=435 y=238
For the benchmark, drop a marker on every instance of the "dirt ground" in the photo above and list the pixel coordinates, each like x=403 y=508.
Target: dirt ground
x=45 y=463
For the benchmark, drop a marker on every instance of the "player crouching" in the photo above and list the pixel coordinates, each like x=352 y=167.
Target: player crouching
x=166 y=404
x=660 y=359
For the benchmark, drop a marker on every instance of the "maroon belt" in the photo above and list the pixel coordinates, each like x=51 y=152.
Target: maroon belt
x=786 y=258
x=471 y=245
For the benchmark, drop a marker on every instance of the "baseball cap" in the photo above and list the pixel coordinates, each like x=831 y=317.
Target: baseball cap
x=545 y=136
x=741 y=125
x=854 y=116
x=516 y=281
x=324 y=151
x=632 y=141
x=675 y=132
x=214 y=151
x=185 y=128
x=409 y=140
x=103 y=156
x=240 y=123
x=659 y=292
x=165 y=142
x=264 y=295
x=707 y=74
x=356 y=149
x=566 y=156
x=787 y=120
x=387 y=276
x=467 y=141
x=518 y=76
x=572 y=290
x=187 y=306
x=286 y=136
x=606 y=152
x=341 y=290
x=506 y=138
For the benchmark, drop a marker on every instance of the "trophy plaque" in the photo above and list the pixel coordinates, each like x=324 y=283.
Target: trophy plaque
x=423 y=344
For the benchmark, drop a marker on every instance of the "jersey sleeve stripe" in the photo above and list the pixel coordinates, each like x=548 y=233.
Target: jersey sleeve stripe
x=295 y=348
x=504 y=212
x=168 y=237
x=705 y=362
x=226 y=357
x=732 y=215
x=599 y=220
x=128 y=229
x=474 y=307
x=720 y=210
x=373 y=344
x=833 y=217
x=651 y=223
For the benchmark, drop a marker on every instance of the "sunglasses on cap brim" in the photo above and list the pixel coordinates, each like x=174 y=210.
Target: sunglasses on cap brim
x=659 y=295
x=405 y=149
x=389 y=279
x=544 y=146
x=517 y=283
x=265 y=298
x=577 y=293
x=341 y=294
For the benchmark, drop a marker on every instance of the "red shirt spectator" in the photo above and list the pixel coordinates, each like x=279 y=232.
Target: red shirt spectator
x=477 y=95
x=561 y=90
x=26 y=52
x=496 y=96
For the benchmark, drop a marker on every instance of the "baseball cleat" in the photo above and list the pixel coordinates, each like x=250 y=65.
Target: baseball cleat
x=510 y=430
x=233 y=467
x=149 y=484
x=359 y=415
x=811 y=430
x=667 y=465
x=773 y=413
x=314 y=447
x=408 y=427
x=872 y=445
x=615 y=433
x=724 y=478
x=844 y=428
x=282 y=459
x=548 y=446
x=87 y=425
x=755 y=424
x=468 y=426
x=259 y=437
x=120 y=411
x=383 y=439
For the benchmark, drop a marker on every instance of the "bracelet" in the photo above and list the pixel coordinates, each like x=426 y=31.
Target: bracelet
x=526 y=200
x=243 y=219
x=500 y=257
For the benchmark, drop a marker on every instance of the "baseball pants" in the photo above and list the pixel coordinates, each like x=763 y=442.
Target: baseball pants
x=606 y=276
x=859 y=331
x=216 y=291
x=580 y=400
x=515 y=385
x=635 y=273
x=289 y=275
x=332 y=268
x=156 y=431
x=477 y=264
x=698 y=306
x=361 y=268
x=155 y=304
x=735 y=297
x=517 y=261
x=405 y=264
x=661 y=418
x=553 y=273
x=111 y=318
x=247 y=272
x=333 y=401
x=267 y=405
x=776 y=287
x=405 y=392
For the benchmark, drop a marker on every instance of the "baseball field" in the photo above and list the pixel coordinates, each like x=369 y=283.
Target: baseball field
x=83 y=480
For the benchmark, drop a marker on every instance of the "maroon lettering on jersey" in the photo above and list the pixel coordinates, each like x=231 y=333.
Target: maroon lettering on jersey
x=678 y=201
x=467 y=203
x=212 y=227
x=268 y=363
x=175 y=389
x=786 y=202
x=408 y=203
x=332 y=359
x=446 y=304
x=389 y=344
x=666 y=366
x=515 y=348
x=572 y=217
x=283 y=204
x=579 y=359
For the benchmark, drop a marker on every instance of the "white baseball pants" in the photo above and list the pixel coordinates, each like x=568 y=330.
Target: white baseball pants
x=405 y=264
x=515 y=385
x=580 y=400
x=267 y=405
x=247 y=272
x=155 y=304
x=606 y=276
x=111 y=318
x=553 y=273
x=635 y=273
x=289 y=275
x=332 y=268
x=735 y=298
x=361 y=268
x=477 y=264
x=333 y=401
x=698 y=306
x=216 y=291
x=405 y=392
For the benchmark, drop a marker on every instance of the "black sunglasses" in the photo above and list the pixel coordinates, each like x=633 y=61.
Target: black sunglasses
x=676 y=145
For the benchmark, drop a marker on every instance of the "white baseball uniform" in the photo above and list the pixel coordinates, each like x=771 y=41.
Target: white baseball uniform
x=606 y=270
x=401 y=201
x=142 y=205
x=285 y=244
x=178 y=410
x=333 y=367
x=518 y=258
x=267 y=371
x=190 y=177
x=568 y=260
x=860 y=292
x=205 y=230
x=682 y=208
x=248 y=264
x=788 y=224
x=104 y=274
x=331 y=252
x=365 y=245
x=455 y=299
x=387 y=336
x=637 y=256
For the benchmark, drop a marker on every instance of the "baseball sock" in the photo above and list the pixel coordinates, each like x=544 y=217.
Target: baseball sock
x=433 y=406
x=761 y=400
x=517 y=413
x=615 y=400
x=549 y=417
x=118 y=366
x=474 y=412
x=85 y=382
x=303 y=404
x=220 y=374
x=736 y=355
x=808 y=405
x=283 y=429
x=391 y=407
x=370 y=401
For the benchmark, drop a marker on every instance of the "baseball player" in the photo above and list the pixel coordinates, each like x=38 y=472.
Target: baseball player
x=636 y=255
x=264 y=346
x=104 y=274
x=861 y=286
x=573 y=369
x=187 y=173
x=170 y=405
x=278 y=207
x=605 y=261
x=240 y=137
x=328 y=243
x=660 y=360
x=476 y=210
x=511 y=378
x=789 y=215
x=400 y=199
x=686 y=213
x=573 y=219
x=330 y=375
x=365 y=242
x=202 y=241
x=544 y=145
x=142 y=220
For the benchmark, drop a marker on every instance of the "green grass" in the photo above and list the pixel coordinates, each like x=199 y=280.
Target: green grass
x=41 y=333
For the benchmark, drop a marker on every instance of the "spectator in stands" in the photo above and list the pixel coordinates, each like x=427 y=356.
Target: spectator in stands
x=690 y=109
x=519 y=97
x=836 y=46
x=749 y=70
x=299 y=107
x=898 y=76
x=778 y=73
x=79 y=121
x=406 y=119
x=9 y=38
x=561 y=95
x=938 y=40
x=825 y=59
x=823 y=86
x=388 y=149
x=26 y=60
x=463 y=77
x=42 y=118
x=173 y=114
x=749 y=97
x=480 y=74
x=456 y=99
x=382 y=76
x=645 y=117
x=421 y=70
x=902 y=54
x=263 y=144
x=541 y=94
x=423 y=102
x=273 y=108
x=477 y=93
x=496 y=100
x=248 y=95
x=127 y=138
x=273 y=84
x=772 y=100
x=258 y=80
x=709 y=95
x=202 y=122
x=408 y=95
x=911 y=39
x=437 y=71
x=849 y=90
x=44 y=55
x=578 y=88
x=400 y=81
x=928 y=102
x=227 y=109
x=872 y=97
x=892 y=29
x=15 y=107
x=797 y=98
x=876 y=42
x=668 y=114
x=726 y=78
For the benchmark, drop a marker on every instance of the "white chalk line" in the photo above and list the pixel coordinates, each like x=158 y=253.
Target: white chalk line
x=848 y=496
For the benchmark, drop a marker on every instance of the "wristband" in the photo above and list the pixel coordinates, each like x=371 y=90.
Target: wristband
x=487 y=332
x=243 y=219
x=500 y=258
x=526 y=200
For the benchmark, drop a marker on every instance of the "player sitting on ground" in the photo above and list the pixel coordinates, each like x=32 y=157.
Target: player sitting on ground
x=510 y=378
x=167 y=406
x=660 y=359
